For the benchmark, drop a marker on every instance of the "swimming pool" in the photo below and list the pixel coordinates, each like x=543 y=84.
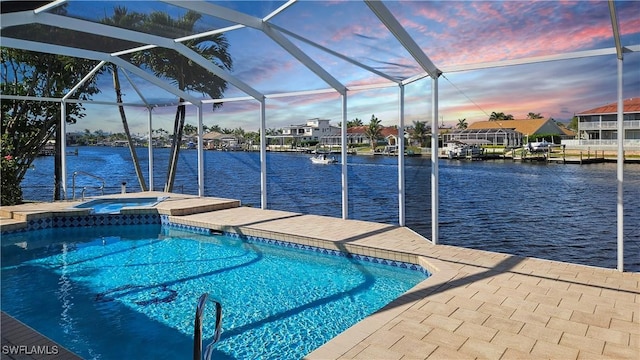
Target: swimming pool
x=114 y=205
x=137 y=287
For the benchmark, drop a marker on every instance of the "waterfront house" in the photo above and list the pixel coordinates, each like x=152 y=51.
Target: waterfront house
x=356 y=135
x=218 y=141
x=509 y=133
x=314 y=130
x=599 y=126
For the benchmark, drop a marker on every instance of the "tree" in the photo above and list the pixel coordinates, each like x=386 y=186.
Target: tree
x=355 y=122
x=462 y=124
x=495 y=116
x=534 y=116
x=124 y=19
x=373 y=131
x=573 y=124
x=190 y=129
x=420 y=132
x=28 y=125
x=184 y=73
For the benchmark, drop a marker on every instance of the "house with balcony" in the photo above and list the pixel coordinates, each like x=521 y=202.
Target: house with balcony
x=599 y=126
x=314 y=130
x=356 y=135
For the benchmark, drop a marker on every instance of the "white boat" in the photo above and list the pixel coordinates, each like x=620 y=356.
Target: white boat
x=539 y=146
x=460 y=150
x=323 y=159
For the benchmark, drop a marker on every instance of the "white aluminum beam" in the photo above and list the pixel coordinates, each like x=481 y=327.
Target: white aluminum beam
x=403 y=37
x=537 y=59
x=620 y=170
x=94 y=55
x=336 y=54
x=84 y=79
x=435 y=174
x=135 y=36
x=279 y=10
x=200 y=152
x=344 y=170
x=616 y=29
x=50 y=5
x=257 y=23
x=263 y=155
x=400 y=145
x=213 y=68
x=218 y=11
x=135 y=87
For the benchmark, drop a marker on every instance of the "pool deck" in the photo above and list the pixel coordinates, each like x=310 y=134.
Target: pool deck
x=477 y=304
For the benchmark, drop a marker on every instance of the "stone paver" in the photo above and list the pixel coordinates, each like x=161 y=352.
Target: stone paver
x=476 y=304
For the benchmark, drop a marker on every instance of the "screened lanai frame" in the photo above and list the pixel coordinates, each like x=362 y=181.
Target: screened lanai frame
x=267 y=21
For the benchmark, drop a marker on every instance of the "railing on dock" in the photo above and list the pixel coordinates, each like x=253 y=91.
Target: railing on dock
x=197 y=329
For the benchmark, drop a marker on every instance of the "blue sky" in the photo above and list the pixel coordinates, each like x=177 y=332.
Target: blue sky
x=451 y=33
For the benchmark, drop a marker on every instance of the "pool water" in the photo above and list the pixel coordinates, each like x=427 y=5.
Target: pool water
x=130 y=292
x=113 y=206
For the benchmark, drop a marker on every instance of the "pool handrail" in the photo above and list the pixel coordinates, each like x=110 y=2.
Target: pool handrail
x=197 y=330
x=73 y=183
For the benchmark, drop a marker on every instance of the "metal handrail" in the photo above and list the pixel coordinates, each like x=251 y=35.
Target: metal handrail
x=73 y=182
x=197 y=329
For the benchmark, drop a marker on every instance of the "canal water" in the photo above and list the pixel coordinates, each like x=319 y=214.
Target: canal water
x=550 y=211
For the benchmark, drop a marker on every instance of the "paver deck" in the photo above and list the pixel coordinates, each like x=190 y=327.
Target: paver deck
x=477 y=304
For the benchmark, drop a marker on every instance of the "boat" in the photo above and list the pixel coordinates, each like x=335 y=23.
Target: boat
x=460 y=150
x=323 y=159
x=539 y=146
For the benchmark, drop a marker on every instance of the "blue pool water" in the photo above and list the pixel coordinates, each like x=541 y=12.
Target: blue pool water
x=113 y=206
x=130 y=292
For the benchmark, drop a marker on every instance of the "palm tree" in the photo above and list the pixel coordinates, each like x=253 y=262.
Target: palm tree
x=534 y=116
x=373 y=131
x=186 y=75
x=190 y=129
x=420 y=132
x=124 y=19
x=462 y=124
x=500 y=116
x=354 y=122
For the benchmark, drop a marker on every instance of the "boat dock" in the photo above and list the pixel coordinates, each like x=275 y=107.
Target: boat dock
x=476 y=304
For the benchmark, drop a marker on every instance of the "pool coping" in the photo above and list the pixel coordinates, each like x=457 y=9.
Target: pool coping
x=475 y=304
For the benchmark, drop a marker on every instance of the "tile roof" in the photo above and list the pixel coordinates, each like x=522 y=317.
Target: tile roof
x=631 y=105
x=526 y=126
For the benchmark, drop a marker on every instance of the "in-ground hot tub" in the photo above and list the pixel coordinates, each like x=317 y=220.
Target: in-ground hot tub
x=114 y=205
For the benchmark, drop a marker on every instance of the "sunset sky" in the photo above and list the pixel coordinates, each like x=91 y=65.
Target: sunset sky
x=451 y=33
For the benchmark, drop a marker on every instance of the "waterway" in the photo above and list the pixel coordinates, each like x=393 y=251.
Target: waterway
x=550 y=211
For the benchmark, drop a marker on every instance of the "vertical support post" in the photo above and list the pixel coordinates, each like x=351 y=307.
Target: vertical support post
x=343 y=150
x=620 y=171
x=63 y=147
x=200 y=153
x=401 y=190
x=150 y=148
x=434 y=161
x=263 y=156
